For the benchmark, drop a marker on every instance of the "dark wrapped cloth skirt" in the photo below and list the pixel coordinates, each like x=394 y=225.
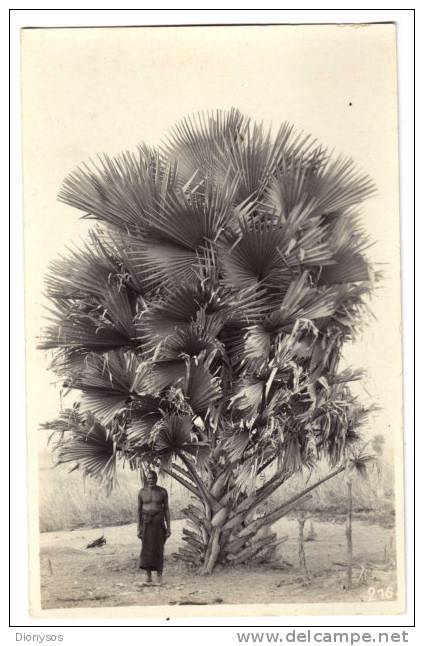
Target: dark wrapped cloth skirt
x=153 y=541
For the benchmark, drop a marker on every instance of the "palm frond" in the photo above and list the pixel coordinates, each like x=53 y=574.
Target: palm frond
x=253 y=259
x=191 y=221
x=249 y=394
x=166 y=373
x=142 y=419
x=120 y=191
x=361 y=463
x=182 y=309
x=157 y=262
x=110 y=383
x=227 y=144
x=236 y=445
x=83 y=326
x=337 y=185
x=257 y=344
x=249 y=306
x=174 y=436
x=87 y=443
x=189 y=342
x=179 y=233
x=301 y=303
x=198 y=143
x=83 y=272
x=200 y=387
x=287 y=188
x=347 y=268
x=121 y=245
x=254 y=157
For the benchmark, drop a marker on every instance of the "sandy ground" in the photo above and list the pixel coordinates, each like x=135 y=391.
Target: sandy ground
x=73 y=576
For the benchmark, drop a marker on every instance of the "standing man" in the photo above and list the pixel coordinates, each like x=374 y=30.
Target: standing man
x=154 y=526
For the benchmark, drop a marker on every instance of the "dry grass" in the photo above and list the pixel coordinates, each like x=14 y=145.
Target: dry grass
x=68 y=502
x=373 y=497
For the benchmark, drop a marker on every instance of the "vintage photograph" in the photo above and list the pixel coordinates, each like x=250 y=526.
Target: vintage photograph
x=214 y=359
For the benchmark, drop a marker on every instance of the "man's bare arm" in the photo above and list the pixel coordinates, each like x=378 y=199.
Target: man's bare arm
x=139 y=520
x=166 y=513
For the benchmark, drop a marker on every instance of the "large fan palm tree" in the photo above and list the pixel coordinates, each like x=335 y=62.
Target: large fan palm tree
x=203 y=322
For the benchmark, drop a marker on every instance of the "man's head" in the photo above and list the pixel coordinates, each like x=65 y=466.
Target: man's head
x=152 y=477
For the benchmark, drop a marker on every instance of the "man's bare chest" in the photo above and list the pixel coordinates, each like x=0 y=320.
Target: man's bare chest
x=151 y=496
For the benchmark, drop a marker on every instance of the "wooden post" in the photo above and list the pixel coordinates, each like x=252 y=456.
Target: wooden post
x=301 y=541
x=349 y=536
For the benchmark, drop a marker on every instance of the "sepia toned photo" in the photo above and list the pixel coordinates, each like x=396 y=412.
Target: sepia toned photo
x=213 y=320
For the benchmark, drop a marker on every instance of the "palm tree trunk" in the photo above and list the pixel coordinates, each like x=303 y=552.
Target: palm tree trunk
x=281 y=511
x=182 y=481
x=205 y=493
x=224 y=532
